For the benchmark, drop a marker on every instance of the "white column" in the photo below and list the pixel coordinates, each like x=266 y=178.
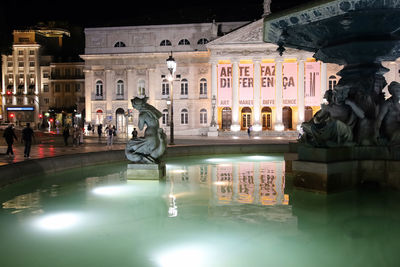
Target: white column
x=88 y=95
x=324 y=80
x=300 y=94
x=130 y=85
x=257 y=95
x=278 y=111
x=213 y=131
x=109 y=95
x=235 y=100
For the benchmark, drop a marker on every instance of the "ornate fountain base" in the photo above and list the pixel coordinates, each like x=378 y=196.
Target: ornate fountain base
x=329 y=170
x=146 y=171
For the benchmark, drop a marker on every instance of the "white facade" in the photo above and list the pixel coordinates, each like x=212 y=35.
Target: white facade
x=124 y=62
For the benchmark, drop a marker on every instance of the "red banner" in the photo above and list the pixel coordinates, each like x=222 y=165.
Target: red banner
x=268 y=84
x=289 y=84
x=246 y=85
x=224 y=85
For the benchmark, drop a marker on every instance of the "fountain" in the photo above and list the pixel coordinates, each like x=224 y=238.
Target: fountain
x=354 y=138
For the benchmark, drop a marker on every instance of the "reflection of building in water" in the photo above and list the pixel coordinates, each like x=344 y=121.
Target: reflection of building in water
x=251 y=191
x=250 y=182
x=27 y=201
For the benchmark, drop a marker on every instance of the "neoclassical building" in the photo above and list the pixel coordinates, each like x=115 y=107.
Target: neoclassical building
x=251 y=83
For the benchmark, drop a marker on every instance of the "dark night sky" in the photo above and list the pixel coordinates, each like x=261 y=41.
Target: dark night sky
x=75 y=15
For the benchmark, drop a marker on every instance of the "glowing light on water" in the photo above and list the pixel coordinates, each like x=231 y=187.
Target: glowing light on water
x=110 y=190
x=58 y=221
x=184 y=256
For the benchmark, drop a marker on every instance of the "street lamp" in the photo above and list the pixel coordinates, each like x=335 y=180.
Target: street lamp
x=213 y=104
x=171 y=65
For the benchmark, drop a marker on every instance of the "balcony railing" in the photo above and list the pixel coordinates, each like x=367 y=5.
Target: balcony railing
x=55 y=76
x=98 y=97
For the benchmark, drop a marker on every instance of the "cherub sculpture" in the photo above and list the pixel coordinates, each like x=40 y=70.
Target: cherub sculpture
x=151 y=147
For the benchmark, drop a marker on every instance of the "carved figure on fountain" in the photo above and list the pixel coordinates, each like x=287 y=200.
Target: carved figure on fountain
x=389 y=116
x=333 y=125
x=151 y=147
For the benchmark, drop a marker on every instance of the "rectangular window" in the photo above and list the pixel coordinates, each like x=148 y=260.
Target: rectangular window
x=77 y=87
x=9 y=64
x=46 y=101
x=31 y=64
x=31 y=52
x=20 y=52
x=57 y=88
x=45 y=75
x=45 y=88
x=21 y=64
x=67 y=88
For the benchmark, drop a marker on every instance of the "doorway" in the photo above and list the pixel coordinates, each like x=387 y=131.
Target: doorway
x=266 y=114
x=246 y=118
x=226 y=118
x=120 y=121
x=308 y=114
x=287 y=118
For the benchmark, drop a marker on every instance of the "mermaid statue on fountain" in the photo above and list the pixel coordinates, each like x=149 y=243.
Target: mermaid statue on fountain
x=151 y=147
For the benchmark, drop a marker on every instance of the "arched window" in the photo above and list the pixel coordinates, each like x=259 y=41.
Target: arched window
x=203 y=87
x=165 y=117
x=165 y=88
x=165 y=43
x=202 y=41
x=332 y=82
x=99 y=88
x=141 y=88
x=184 y=87
x=203 y=116
x=184 y=116
x=119 y=44
x=184 y=42
x=120 y=88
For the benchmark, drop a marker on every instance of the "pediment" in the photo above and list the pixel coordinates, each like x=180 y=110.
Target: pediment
x=251 y=33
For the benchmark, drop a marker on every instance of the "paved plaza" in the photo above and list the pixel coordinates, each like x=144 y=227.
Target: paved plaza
x=52 y=145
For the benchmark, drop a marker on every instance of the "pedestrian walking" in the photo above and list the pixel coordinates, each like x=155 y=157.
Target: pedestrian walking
x=134 y=134
x=81 y=134
x=249 y=131
x=75 y=135
x=110 y=136
x=66 y=135
x=99 y=130
x=9 y=135
x=89 y=128
x=27 y=136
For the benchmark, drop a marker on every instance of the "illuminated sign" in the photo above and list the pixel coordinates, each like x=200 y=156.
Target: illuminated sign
x=20 y=109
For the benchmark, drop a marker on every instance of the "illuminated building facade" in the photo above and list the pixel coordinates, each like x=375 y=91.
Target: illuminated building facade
x=20 y=81
x=252 y=84
x=62 y=91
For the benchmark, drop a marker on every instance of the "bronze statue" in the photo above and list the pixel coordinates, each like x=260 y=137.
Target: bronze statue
x=389 y=116
x=151 y=147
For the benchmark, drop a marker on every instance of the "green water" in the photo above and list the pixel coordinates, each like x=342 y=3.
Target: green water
x=218 y=211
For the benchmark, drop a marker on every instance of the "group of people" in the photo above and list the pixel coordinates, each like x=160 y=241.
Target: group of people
x=27 y=137
x=110 y=131
x=76 y=133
